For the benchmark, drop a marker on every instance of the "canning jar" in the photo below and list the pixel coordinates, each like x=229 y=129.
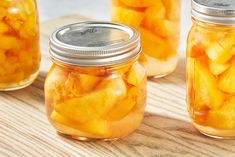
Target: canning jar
x=19 y=43
x=211 y=67
x=96 y=89
x=158 y=22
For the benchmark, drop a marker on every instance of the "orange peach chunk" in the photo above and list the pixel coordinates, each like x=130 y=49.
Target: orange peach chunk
x=11 y=78
x=29 y=28
x=216 y=68
x=127 y=16
x=88 y=82
x=97 y=126
x=79 y=84
x=226 y=80
x=94 y=104
x=155 y=20
x=155 y=46
x=126 y=125
x=156 y=11
x=8 y=42
x=3 y=28
x=162 y=27
x=136 y=75
x=2 y=13
x=172 y=9
x=206 y=91
x=122 y=108
x=223 y=118
x=220 y=51
x=29 y=6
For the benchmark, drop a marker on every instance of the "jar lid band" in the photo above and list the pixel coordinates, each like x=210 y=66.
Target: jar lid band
x=214 y=11
x=94 y=44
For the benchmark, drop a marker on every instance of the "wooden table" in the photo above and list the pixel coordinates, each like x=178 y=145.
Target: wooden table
x=166 y=130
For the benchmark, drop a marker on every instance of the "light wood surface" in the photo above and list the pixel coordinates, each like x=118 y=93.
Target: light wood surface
x=166 y=130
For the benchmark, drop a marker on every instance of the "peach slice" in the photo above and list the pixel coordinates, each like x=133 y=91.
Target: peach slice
x=136 y=75
x=95 y=104
x=88 y=82
x=29 y=28
x=16 y=16
x=54 y=83
x=78 y=84
x=216 y=68
x=153 y=45
x=3 y=28
x=162 y=27
x=3 y=12
x=9 y=42
x=172 y=9
x=29 y=6
x=205 y=86
x=12 y=78
x=220 y=51
x=97 y=126
x=226 y=80
x=155 y=20
x=126 y=125
x=223 y=118
x=127 y=16
x=156 y=11
x=56 y=74
x=65 y=129
x=122 y=108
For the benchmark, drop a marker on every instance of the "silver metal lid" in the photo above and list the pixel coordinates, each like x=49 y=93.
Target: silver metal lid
x=214 y=11
x=94 y=44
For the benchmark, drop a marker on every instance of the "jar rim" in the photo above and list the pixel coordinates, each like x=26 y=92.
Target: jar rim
x=94 y=44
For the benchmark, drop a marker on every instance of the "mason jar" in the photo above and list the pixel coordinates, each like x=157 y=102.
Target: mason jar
x=158 y=22
x=19 y=44
x=96 y=88
x=211 y=68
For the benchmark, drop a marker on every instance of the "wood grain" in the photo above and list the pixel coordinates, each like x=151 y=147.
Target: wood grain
x=166 y=130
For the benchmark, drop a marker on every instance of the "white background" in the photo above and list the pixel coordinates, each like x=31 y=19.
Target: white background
x=100 y=10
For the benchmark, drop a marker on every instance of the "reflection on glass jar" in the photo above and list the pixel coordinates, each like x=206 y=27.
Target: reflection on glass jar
x=96 y=90
x=19 y=43
x=211 y=69
x=158 y=21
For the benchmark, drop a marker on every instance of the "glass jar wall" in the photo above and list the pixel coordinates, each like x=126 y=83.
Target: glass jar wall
x=96 y=102
x=96 y=90
x=211 y=74
x=158 y=22
x=19 y=43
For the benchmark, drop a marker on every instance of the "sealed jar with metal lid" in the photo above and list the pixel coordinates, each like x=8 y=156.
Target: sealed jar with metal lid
x=19 y=43
x=211 y=67
x=158 y=22
x=96 y=89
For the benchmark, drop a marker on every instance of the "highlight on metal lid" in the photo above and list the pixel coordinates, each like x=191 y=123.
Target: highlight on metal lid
x=214 y=11
x=94 y=44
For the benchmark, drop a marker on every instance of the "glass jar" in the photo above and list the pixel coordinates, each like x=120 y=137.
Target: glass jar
x=158 y=22
x=211 y=68
x=19 y=43
x=96 y=89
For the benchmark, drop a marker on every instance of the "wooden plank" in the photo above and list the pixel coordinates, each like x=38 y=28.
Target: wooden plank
x=166 y=129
